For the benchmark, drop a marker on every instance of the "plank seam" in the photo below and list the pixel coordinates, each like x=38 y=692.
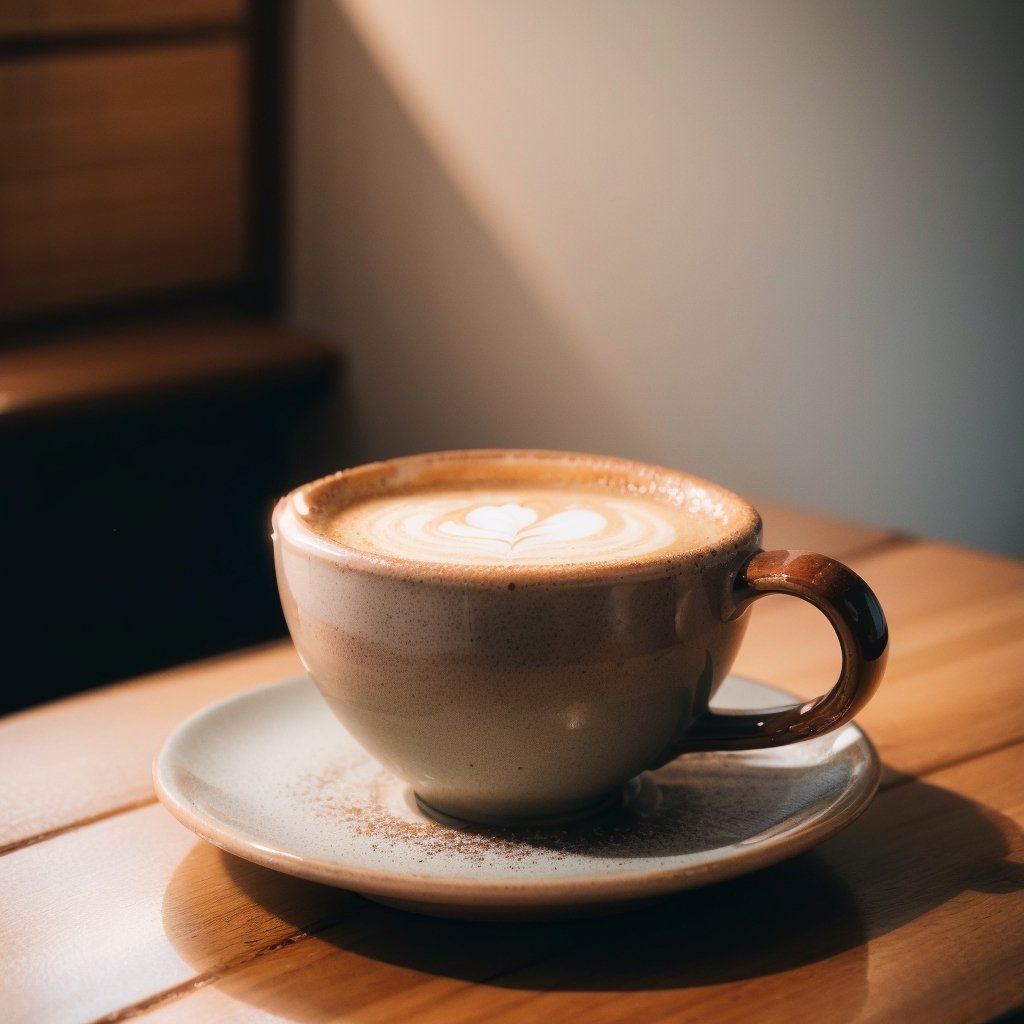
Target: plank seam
x=21 y=844
x=200 y=981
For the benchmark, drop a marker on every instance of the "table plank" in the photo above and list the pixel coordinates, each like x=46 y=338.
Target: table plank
x=91 y=755
x=87 y=949
x=929 y=883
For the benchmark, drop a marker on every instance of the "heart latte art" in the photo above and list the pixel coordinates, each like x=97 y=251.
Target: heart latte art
x=507 y=526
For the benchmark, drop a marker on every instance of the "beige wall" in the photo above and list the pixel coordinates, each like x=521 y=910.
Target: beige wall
x=774 y=243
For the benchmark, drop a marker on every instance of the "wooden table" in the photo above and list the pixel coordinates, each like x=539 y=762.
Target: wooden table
x=109 y=909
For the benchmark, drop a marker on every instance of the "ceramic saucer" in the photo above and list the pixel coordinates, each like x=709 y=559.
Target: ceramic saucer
x=271 y=776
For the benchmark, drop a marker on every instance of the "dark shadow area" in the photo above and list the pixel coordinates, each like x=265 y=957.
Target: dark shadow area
x=917 y=847
x=920 y=845
x=140 y=539
x=796 y=913
x=270 y=904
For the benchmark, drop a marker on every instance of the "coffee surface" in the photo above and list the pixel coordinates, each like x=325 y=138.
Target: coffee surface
x=508 y=524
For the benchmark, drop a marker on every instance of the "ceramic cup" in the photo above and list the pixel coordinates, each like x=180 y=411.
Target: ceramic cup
x=519 y=634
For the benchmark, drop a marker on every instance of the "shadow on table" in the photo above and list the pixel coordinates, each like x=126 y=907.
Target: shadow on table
x=916 y=847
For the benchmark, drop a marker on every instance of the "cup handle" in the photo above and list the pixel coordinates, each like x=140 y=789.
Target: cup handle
x=849 y=604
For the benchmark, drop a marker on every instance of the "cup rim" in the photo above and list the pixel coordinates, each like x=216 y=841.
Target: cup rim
x=741 y=532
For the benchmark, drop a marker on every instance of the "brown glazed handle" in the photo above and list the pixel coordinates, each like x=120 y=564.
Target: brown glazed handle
x=857 y=618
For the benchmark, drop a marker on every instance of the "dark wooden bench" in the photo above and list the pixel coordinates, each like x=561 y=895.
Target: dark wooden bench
x=139 y=466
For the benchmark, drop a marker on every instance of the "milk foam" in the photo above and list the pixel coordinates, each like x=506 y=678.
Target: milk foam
x=507 y=525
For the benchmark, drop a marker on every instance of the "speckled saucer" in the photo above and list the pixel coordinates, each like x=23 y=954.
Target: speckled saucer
x=271 y=776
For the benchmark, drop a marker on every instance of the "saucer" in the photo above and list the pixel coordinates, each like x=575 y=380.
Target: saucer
x=271 y=776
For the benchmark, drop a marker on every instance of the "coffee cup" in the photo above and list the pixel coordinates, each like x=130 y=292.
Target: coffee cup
x=519 y=634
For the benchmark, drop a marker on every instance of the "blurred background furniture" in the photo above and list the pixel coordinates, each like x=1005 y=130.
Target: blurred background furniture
x=151 y=407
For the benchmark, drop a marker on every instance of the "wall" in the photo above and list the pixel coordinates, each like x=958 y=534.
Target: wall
x=777 y=244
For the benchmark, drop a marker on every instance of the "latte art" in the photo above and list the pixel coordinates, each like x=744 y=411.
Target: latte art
x=515 y=526
x=512 y=528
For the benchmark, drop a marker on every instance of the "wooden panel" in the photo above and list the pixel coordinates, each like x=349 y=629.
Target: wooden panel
x=121 y=173
x=51 y=17
x=926 y=885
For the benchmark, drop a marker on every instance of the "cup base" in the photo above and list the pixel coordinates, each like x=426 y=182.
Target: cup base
x=617 y=800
